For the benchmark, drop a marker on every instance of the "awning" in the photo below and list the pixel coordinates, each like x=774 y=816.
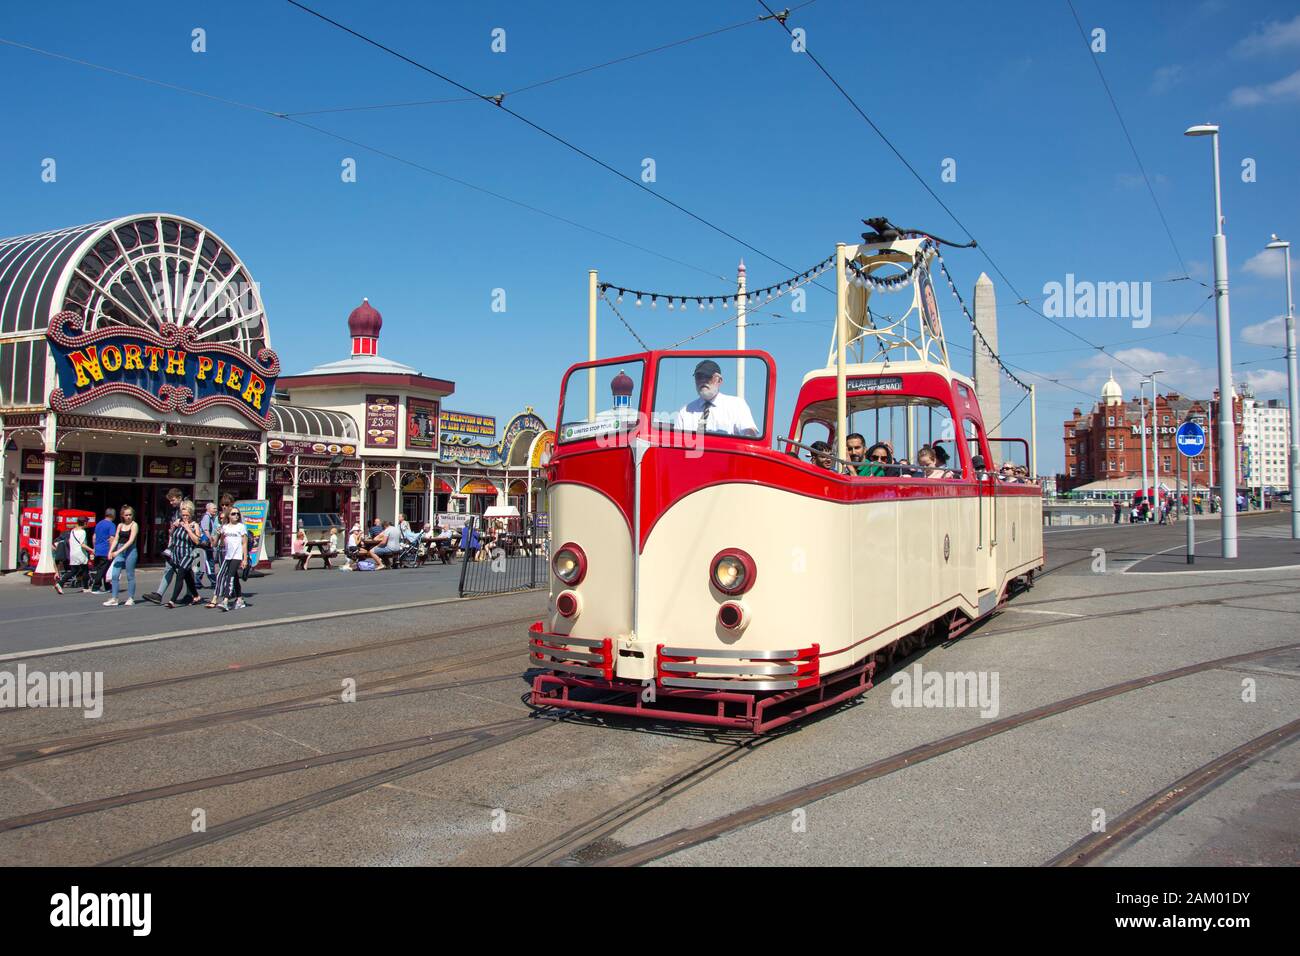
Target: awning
x=501 y=511
x=479 y=486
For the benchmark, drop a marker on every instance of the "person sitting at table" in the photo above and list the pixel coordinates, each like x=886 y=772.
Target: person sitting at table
x=387 y=544
x=299 y=550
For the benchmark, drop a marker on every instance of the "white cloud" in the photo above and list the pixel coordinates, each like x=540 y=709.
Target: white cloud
x=1179 y=370
x=1287 y=88
x=1272 y=332
x=1272 y=37
x=1267 y=381
x=1166 y=78
x=1267 y=263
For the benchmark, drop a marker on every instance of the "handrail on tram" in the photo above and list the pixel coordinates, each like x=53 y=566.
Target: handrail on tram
x=893 y=470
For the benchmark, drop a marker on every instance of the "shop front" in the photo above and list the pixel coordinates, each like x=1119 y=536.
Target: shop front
x=362 y=434
x=134 y=358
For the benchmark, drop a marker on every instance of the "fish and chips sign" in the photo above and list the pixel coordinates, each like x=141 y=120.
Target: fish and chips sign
x=169 y=369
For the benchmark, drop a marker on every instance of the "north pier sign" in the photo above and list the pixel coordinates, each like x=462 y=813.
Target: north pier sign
x=170 y=369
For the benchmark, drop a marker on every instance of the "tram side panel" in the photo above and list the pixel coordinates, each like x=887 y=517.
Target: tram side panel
x=597 y=525
x=804 y=582
x=918 y=575
x=879 y=530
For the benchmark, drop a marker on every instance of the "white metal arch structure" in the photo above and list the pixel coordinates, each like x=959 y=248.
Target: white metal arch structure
x=142 y=271
x=317 y=424
x=917 y=334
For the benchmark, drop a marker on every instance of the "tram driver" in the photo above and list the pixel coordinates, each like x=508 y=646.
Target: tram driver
x=714 y=411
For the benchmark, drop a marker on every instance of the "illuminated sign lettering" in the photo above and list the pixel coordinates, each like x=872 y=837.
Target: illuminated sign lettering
x=169 y=369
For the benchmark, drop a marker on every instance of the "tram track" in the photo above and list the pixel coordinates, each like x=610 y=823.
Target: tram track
x=234 y=669
x=1119 y=612
x=23 y=754
x=801 y=796
x=133 y=797
x=1168 y=801
x=1157 y=590
x=480 y=742
x=558 y=849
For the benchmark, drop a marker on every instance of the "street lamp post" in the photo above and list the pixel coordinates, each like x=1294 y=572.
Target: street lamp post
x=1155 y=442
x=1292 y=391
x=1142 y=430
x=1227 y=421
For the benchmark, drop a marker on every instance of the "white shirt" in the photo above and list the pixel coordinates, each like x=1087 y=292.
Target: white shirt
x=728 y=415
x=232 y=536
x=76 y=551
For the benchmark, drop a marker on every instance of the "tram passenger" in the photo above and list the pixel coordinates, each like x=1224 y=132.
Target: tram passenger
x=877 y=461
x=713 y=411
x=856 y=445
x=929 y=463
x=822 y=457
x=940 y=456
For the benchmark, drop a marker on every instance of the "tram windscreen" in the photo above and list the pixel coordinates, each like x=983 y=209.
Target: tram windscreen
x=614 y=408
x=726 y=395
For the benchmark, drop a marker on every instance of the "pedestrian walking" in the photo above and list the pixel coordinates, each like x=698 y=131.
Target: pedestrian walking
x=183 y=543
x=105 y=528
x=209 y=525
x=123 y=555
x=173 y=518
x=233 y=544
x=78 y=559
x=1119 y=508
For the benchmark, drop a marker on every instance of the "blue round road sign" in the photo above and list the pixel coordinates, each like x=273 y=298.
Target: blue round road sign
x=1190 y=439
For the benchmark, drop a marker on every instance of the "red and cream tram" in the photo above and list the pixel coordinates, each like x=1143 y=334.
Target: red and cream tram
x=705 y=569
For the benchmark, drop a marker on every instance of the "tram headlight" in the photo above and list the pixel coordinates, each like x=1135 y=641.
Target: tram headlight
x=733 y=571
x=569 y=564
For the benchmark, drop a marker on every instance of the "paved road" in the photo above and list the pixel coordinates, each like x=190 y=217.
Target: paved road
x=438 y=761
x=36 y=617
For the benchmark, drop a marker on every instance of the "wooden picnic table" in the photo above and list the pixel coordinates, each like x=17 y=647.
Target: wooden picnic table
x=321 y=547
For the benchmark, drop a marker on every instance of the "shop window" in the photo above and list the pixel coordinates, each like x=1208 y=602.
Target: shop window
x=112 y=465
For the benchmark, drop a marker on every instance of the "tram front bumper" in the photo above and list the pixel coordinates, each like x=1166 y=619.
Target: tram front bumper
x=698 y=668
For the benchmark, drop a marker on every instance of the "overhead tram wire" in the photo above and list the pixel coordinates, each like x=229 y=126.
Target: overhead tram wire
x=360 y=145
x=1132 y=148
x=1021 y=300
x=499 y=101
x=627 y=325
x=554 y=79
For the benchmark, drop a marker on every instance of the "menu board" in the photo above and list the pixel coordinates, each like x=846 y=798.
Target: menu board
x=280 y=446
x=68 y=462
x=381 y=421
x=178 y=468
x=421 y=424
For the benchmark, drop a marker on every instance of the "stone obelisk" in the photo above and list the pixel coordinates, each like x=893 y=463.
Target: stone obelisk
x=988 y=383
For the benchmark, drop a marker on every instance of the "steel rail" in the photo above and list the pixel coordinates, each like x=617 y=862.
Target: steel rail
x=688 y=837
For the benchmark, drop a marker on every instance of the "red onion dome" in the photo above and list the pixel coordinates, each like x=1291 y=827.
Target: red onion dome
x=365 y=321
x=622 y=384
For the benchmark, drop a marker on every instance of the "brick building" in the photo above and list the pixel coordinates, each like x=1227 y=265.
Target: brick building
x=1105 y=443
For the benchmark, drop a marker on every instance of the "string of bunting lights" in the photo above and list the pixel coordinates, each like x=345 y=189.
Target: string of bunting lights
x=866 y=280
x=707 y=301
x=975 y=328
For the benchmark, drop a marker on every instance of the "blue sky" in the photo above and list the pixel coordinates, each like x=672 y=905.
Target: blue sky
x=743 y=131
